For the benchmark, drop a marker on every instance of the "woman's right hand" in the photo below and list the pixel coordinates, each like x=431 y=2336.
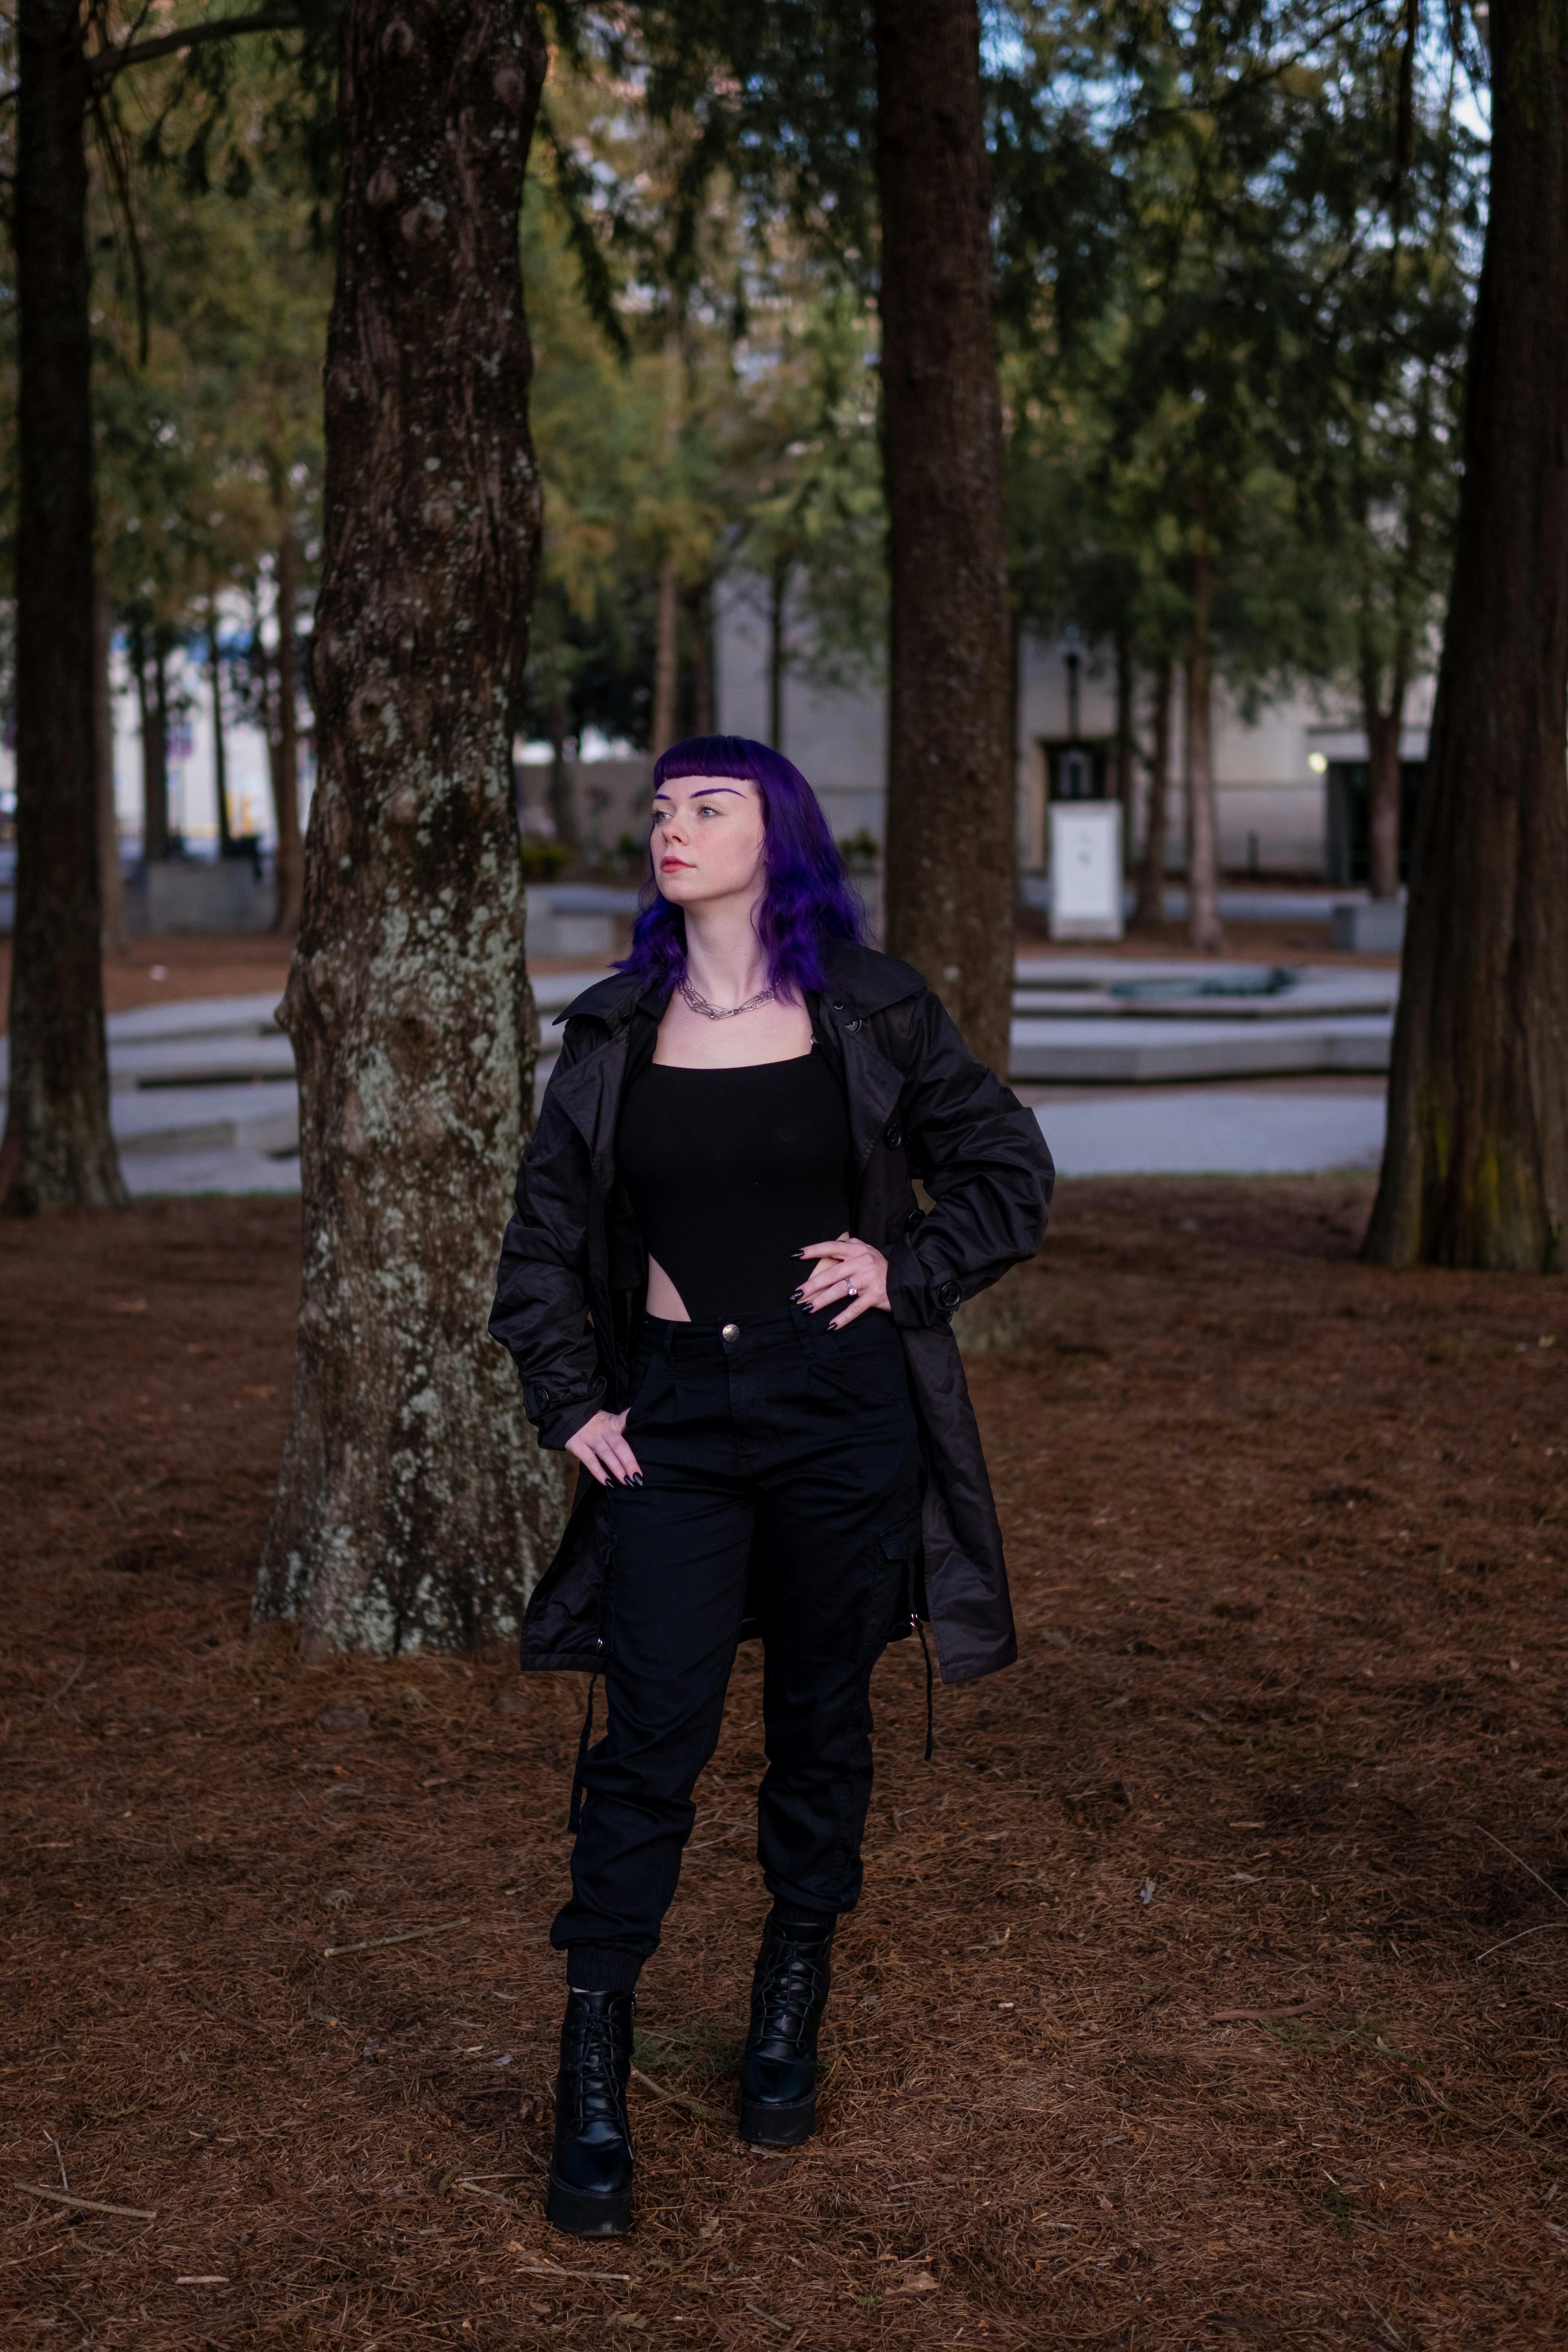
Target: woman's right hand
x=600 y=1447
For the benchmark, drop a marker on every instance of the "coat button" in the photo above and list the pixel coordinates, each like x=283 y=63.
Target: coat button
x=895 y=1137
x=838 y=1005
x=731 y=1333
x=950 y=1296
x=541 y=1397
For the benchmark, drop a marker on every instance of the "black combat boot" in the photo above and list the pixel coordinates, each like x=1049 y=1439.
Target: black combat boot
x=778 y=2073
x=590 y=2193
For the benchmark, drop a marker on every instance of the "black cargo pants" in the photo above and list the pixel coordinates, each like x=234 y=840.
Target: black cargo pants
x=775 y=1449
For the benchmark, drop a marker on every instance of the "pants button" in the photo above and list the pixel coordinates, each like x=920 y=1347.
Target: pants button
x=731 y=1331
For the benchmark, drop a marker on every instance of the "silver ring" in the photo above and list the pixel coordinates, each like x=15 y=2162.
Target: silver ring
x=850 y=1291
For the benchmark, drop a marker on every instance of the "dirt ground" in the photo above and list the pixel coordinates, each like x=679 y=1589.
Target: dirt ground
x=1208 y=1987
x=185 y=965
x=175 y=967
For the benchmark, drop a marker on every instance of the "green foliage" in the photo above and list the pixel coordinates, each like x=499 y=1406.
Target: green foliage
x=542 y=861
x=1260 y=368
x=1235 y=254
x=815 y=521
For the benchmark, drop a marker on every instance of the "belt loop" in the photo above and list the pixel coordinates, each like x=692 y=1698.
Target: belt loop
x=930 y=1712
x=574 y=1818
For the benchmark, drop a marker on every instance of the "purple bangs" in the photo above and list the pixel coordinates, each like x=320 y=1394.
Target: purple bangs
x=808 y=901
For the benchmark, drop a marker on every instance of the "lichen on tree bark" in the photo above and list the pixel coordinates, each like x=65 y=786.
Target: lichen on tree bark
x=414 y=1508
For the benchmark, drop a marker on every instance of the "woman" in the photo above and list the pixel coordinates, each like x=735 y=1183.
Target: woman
x=725 y=1304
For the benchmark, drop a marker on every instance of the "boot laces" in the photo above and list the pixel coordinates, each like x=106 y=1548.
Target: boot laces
x=600 y=2091
x=787 y=1991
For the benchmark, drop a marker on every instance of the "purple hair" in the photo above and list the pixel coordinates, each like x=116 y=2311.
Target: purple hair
x=807 y=900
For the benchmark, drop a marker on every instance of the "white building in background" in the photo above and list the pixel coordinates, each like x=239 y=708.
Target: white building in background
x=1291 y=784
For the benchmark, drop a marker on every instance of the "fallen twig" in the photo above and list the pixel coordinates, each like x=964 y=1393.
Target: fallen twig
x=58 y=1696
x=1545 y=1929
x=88 y=2204
x=491 y=2196
x=1266 y=2016
x=558 y=2269
x=409 y=1935
x=1556 y=1896
x=676 y=2098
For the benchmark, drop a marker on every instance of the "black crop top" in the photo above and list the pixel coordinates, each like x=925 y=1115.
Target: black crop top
x=730 y=1171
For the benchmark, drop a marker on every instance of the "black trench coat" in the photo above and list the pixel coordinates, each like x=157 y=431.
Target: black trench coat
x=574 y=1271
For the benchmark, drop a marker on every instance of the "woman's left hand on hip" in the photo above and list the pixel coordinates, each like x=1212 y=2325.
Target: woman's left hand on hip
x=849 y=1275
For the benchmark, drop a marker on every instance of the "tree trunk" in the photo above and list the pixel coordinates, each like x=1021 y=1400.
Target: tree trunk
x=1474 y=1172
x=110 y=889
x=291 y=864
x=1204 y=929
x=259 y=665
x=665 y=658
x=220 y=745
x=163 y=646
x=57 y=1152
x=703 y=659
x=1151 y=907
x=778 y=650
x=1383 y=730
x=414 y=1508
x=951 y=825
x=154 y=763
x=564 y=814
x=1125 y=676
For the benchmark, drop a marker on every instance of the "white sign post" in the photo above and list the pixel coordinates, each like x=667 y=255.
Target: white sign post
x=1086 y=870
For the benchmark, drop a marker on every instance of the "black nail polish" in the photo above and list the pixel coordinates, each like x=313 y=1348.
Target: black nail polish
x=635 y=1479
x=796 y=1295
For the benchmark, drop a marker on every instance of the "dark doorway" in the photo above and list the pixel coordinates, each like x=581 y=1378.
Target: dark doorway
x=1076 y=770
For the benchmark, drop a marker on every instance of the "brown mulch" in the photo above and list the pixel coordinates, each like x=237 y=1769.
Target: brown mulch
x=178 y=966
x=162 y=970
x=1208 y=1987
x=187 y=964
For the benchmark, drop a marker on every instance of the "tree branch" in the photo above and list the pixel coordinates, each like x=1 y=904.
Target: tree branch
x=193 y=37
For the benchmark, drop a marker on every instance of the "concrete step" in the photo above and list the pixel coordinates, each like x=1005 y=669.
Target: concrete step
x=147 y=1173
x=202 y=1016
x=1211 y=1131
x=1143 y=1052
x=201 y=1061
x=260 y=1118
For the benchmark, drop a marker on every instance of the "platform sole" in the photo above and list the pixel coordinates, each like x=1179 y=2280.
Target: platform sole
x=777 y=2123
x=584 y=2213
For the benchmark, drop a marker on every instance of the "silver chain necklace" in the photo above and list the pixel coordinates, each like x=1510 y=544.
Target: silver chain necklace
x=722 y=1011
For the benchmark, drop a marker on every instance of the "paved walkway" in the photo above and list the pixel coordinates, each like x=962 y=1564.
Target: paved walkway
x=1215 y=1130
x=204 y=1099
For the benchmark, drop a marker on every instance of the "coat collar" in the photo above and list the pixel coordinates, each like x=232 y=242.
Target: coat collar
x=609 y=1000
x=860 y=981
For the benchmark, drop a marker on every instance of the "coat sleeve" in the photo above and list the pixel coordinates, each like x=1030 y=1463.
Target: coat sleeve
x=541 y=1310
x=980 y=1156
